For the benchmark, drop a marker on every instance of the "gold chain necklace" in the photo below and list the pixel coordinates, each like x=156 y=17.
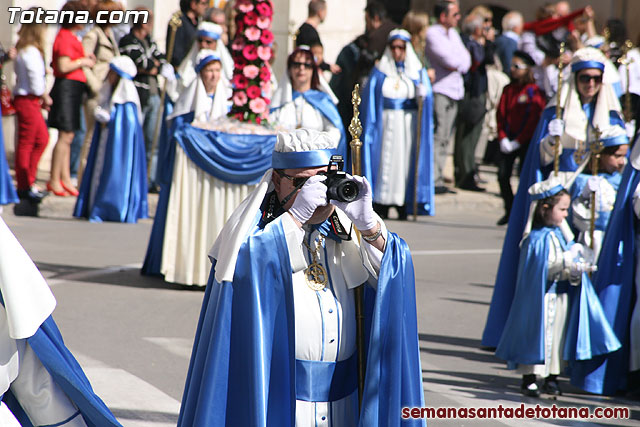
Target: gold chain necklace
x=316 y=275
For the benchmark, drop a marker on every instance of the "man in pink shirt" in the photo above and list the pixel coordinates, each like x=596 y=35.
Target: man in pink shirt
x=450 y=59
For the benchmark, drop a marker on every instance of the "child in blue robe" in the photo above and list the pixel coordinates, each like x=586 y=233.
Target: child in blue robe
x=114 y=186
x=605 y=186
x=549 y=323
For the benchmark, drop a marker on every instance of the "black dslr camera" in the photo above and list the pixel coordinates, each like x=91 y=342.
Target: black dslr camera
x=339 y=187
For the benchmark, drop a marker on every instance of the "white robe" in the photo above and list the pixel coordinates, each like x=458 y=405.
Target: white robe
x=398 y=138
x=325 y=320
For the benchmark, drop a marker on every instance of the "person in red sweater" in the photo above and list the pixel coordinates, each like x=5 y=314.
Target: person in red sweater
x=519 y=110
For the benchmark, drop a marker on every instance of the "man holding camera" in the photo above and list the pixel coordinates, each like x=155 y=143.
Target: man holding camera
x=276 y=340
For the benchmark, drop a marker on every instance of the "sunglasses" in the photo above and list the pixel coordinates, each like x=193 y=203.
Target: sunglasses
x=519 y=66
x=586 y=78
x=397 y=47
x=206 y=41
x=303 y=65
x=296 y=181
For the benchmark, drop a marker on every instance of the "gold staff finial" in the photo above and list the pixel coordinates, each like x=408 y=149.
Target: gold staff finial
x=355 y=128
x=596 y=148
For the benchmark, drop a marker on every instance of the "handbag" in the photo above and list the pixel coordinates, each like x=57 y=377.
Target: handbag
x=5 y=98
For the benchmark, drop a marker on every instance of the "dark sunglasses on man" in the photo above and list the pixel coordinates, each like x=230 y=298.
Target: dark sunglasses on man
x=586 y=78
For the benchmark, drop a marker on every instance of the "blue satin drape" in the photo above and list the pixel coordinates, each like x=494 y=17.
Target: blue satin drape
x=372 y=108
x=506 y=276
x=242 y=369
x=7 y=191
x=614 y=284
x=121 y=194
x=523 y=340
x=48 y=345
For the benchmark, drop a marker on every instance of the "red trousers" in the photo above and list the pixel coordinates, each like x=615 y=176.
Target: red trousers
x=33 y=137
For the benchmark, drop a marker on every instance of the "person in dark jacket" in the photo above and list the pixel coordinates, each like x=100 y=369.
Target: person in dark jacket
x=190 y=14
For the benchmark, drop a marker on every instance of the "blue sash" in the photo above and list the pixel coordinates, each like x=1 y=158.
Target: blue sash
x=399 y=103
x=318 y=381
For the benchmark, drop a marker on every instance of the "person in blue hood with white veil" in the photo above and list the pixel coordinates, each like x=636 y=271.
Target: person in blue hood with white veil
x=114 y=186
x=394 y=132
x=276 y=341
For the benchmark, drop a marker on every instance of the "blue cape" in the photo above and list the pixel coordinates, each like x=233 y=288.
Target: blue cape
x=323 y=103
x=602 y=217
x=614 y=283
x=531 y=173
x=7 y=192
x=242 y=369
x=523 y=342
x=237 y=159
x=372 y=108
x=121 y=194
x=48 y=345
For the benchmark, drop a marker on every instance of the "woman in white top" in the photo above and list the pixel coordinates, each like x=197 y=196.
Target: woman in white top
x=30 y=98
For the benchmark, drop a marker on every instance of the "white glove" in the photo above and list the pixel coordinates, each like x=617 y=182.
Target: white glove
x=422 y=90
x=507 y=146
x=312 y=195
x=630 y=127
x=576 y=250
x=167 y=72
x=582 y=267
x=593 y=183
x=556 y=127
x=101 y=115
x=360 y=211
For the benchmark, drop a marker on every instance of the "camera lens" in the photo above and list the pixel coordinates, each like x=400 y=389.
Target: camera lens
x=347 y=191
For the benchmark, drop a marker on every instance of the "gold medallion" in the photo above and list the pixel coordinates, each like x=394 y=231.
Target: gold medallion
x=316 y=276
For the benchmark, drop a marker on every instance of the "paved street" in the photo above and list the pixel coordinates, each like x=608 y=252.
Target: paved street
x=133 y=334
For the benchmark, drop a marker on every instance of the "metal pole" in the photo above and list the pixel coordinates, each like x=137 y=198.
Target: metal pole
x=417 y=159
x=596 y=149
x=355 y=129
x=556 y=147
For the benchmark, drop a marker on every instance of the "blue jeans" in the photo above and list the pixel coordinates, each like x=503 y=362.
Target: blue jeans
x=150 y=113
x=76 y=145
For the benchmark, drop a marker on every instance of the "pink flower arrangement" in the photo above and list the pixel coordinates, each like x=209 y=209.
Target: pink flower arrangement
x=264 y=8
x=266 y=37
x=251 y=71
x=265 y=74
x=251 y=49
x=244 y=6
x=240 y=98
x=250 y=52
x=250 y=18
x=264 y=53
x=240 y=81
x=257 y=105
x=254 y=92
x=263 y=22
x=252 y=34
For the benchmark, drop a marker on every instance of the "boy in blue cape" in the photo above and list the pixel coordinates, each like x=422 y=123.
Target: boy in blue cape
x=41 y=383
x=275 y=344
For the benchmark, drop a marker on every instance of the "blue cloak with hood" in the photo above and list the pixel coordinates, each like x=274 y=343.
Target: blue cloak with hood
x=243 y=366
x=121 y=194
x=531 y=173
x=614 y=283
x=372 y=108
x=523 y=340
